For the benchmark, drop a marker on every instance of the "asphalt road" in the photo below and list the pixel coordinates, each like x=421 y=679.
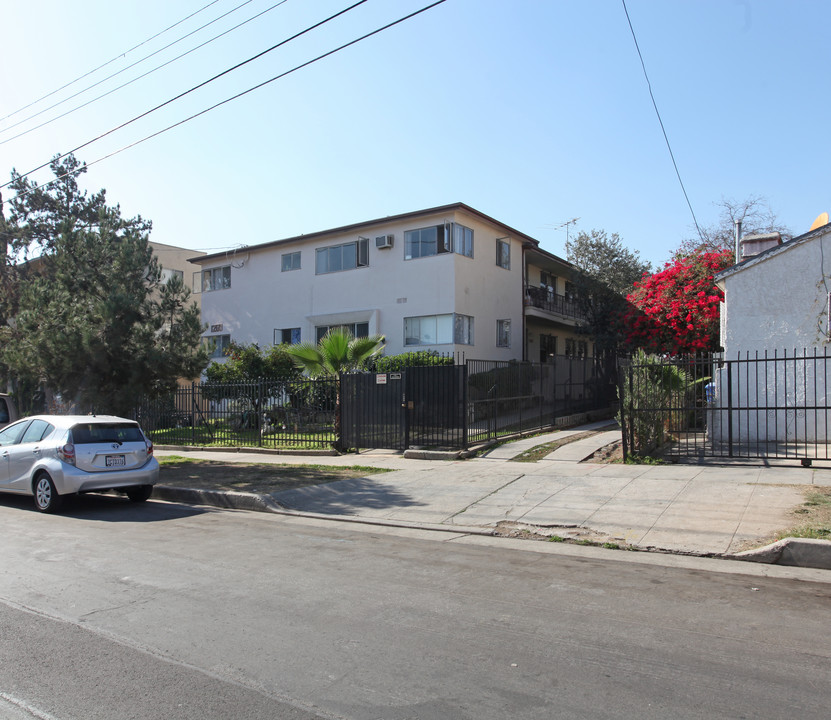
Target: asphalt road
x=166 y=611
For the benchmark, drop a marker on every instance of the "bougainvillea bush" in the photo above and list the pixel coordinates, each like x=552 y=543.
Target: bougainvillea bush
x=676 y=310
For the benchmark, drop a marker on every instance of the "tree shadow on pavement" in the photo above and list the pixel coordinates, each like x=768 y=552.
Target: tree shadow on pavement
x=345 y=497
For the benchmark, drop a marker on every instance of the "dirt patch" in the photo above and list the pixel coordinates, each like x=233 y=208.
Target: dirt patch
x=574 y=535
x=538 y=452
x=612 y=453
x=254 y=478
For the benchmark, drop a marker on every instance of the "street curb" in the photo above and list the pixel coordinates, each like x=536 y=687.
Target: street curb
x=796 y=552
x=232 y=500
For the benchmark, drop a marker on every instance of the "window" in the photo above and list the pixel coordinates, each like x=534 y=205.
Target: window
x=548 y=282
x=356 y=330
x=167 y=275
x=425 y=242
x=463 y=240
x=290 y=261
x=503 y=253
x=503 y=333
x=38 y=430
x=218 y=344
x=577 y=348
x=348 y=256
x=11 y=434
x=437 y=240
x=98 y=432
x=548 y=347
x=214 y=279
x=438 y=330
x=287 y=336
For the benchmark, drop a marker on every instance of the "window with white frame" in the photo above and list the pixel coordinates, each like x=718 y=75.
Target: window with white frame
x=167 y=275
x=217 y=344
x=503 y=333
x=503 y=253
x=438 y=330
x=290 y=261
x=437 y=240
x=347 y=256
x=462 y=240
x=218 y=278
x=286 y=336
x=356 y=330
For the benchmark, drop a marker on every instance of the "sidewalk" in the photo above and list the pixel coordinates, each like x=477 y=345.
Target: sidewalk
x=696 y=509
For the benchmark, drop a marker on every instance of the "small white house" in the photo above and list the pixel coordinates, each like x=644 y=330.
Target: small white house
x=774 y=333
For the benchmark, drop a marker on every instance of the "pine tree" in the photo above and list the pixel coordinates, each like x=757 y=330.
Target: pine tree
x=85 y=312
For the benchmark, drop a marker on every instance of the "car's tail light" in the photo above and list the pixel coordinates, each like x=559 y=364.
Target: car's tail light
x=149 y=444
x=67 y=453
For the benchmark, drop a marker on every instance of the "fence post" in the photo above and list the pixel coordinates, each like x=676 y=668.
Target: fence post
x=465 y=408
x=620 y=384
x=729 y=408
x=259 y=414
x=192 y=413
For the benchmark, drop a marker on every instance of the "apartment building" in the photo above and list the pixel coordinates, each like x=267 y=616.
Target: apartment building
x=449 y=278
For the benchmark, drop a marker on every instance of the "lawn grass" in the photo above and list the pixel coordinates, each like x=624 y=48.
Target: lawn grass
x=179 y=471
x=813 y=517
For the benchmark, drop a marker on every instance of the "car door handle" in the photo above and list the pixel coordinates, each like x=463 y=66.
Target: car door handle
x=36 y=451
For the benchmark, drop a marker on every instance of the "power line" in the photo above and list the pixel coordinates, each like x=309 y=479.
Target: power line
x=234 y=97
x=663 y=130
x=135 y=79
x=195 y=87
x=120 y=55
x=124 y=69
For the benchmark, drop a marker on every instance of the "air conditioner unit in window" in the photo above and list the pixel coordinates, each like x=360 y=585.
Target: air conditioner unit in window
x=384 y=241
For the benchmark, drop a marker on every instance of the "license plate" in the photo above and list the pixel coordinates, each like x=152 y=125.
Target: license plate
x=114 y=460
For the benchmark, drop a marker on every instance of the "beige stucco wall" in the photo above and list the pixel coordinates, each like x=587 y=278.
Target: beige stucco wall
x=176 y=258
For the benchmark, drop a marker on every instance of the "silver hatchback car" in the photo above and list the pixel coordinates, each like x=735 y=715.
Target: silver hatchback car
x=50 y=456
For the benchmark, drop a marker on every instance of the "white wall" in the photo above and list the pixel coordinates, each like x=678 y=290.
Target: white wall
x=262 y=298
x=780 y=300
x=776 y=305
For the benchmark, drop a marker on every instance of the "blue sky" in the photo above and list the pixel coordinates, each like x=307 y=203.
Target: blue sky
x=535 y=112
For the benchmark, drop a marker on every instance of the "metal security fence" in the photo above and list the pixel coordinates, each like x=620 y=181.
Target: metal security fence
x=505 y=397
x=299 y=414
x=758 y=405
x=437 y=406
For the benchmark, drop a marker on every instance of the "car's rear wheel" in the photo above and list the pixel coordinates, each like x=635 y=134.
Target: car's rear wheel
x=140 y=493
x=47 y=499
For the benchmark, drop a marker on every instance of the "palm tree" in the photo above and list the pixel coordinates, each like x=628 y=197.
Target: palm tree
x=336 y=353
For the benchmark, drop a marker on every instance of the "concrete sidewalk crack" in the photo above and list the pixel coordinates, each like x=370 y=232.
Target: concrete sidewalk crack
x=492 y=492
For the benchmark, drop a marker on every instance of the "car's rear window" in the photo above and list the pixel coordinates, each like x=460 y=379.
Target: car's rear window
x=90 y=433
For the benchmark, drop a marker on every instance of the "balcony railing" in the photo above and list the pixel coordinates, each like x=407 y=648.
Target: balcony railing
x=546 y=300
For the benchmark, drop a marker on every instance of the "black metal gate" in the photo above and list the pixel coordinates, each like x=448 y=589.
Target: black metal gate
x=422 y=406
x=373 y=413
x=768 y=405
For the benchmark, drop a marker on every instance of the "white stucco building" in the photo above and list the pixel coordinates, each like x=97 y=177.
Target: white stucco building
x=778 y=299
x=449 y=279
x=773 y=383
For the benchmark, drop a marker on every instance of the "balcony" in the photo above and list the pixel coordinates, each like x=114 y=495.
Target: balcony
x=544 y=299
